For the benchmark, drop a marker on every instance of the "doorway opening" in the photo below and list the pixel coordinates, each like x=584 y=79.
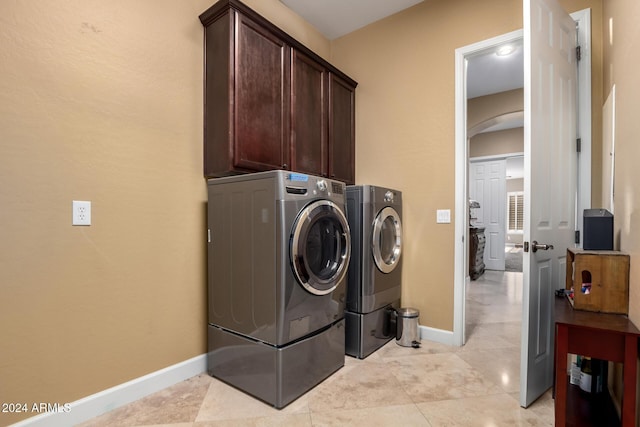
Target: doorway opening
x=462 y=157
x=465 y=128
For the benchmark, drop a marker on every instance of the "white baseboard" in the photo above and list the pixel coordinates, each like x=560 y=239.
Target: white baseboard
x=97 y=404
x=437 y=335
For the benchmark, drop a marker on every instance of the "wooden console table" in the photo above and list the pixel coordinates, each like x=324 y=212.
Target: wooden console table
x=602 y=336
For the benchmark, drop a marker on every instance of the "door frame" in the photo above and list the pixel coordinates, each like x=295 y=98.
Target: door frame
x=461 y=217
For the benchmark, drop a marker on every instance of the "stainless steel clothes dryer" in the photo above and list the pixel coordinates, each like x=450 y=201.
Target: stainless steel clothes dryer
x=278 y=252
x=375 y=270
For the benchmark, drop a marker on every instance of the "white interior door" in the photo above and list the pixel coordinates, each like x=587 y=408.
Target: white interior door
x=488 y=187
x=550 y=181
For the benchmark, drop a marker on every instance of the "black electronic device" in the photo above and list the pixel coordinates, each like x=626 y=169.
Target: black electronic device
x=598 y=230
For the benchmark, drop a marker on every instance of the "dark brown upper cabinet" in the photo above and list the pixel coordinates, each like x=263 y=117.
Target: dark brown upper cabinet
x=342 y=111
x=270 y=102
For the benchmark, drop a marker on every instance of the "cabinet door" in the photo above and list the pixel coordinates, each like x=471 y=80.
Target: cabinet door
x=261 y=102
x=308 y=115
x=341 y=130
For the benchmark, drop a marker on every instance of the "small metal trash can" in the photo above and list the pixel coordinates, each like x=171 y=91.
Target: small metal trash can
x=407 y=334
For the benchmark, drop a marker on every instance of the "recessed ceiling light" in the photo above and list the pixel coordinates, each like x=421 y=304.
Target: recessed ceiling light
x=505 y=50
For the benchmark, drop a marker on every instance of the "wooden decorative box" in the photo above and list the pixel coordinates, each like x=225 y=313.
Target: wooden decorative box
x=600 y=280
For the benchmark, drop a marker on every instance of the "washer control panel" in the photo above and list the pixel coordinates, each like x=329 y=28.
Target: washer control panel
x=303 y=184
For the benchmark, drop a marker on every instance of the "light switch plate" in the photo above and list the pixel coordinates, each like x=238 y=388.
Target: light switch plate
x=81 y=212
x=443 y=216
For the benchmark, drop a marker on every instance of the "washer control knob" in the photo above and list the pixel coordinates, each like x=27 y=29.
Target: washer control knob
x=322 y=185
x=388 y=196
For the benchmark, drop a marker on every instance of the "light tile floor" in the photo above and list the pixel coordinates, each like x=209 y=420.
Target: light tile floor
x=436 y=385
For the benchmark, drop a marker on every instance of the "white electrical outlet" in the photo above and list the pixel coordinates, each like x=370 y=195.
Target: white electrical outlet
x=443 y=216
x=81 y=212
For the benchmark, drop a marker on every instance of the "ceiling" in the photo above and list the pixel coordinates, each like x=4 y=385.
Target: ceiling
x=335 y=18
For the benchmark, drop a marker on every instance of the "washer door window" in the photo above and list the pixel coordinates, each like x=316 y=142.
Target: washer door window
x=320 y=247
x=387 y=239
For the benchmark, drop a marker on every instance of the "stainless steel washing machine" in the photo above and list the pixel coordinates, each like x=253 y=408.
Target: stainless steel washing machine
x=278 y=251
x=375 y=270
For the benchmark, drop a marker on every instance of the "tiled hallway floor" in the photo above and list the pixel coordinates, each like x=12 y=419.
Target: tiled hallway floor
x=436 y=385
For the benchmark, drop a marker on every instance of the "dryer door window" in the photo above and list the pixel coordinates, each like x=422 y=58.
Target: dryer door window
x=320 y=247
x=387 y=239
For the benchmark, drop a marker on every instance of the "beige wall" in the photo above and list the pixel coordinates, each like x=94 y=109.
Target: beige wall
x=102 y=101
x=621 y=68
x=487 y=107
x=482 y=110
x=405 y=69
x=506 y=141
x=620 y=21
